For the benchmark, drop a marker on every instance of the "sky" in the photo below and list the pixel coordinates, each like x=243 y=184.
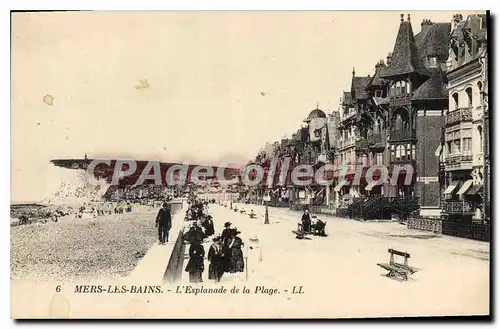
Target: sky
x=202 y=87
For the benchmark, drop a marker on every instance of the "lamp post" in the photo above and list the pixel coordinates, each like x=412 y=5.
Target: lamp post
x=266 y=217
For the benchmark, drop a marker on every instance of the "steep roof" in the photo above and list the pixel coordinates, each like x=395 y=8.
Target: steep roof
x=435 y=42
x=376 y=81
x=433 y=88
x=405 y=56
x=358 y=85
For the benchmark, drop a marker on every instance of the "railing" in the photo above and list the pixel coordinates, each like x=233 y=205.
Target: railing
x=362 y=144
x=403 y=162
x=476 y=231
x=351 y=113
x=400 y=100
x=374 y=139
x=347 y=142
x=173 y=272
x=425 y=224
x=457 y=207
x=457 y=116
x=400 y=135
x=457 y=160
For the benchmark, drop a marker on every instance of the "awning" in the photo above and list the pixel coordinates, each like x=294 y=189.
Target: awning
x=465 y=187
x=339 y=186
x=438 y=150
x=474 y=189
x=451 y=188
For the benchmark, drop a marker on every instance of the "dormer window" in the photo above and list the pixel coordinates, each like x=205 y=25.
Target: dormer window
x=432 y=61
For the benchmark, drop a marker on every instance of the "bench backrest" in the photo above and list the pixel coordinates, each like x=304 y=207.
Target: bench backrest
x=399 y=253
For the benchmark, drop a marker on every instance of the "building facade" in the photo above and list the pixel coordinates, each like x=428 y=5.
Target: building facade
x=466 y=130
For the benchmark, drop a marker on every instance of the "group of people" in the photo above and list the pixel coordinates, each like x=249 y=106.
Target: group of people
x=317 y=228
x=225 y=254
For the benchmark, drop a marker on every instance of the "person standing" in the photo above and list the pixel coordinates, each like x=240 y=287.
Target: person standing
x=195 y=264
x=235 y=245
x=164 y=223
x=306 y=221
x=216 y=259
x=225 y=233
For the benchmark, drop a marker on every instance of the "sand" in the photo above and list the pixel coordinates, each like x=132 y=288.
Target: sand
x=105 y=247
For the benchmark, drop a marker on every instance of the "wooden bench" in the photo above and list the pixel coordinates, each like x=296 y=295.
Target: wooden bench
x=397 y=269
x=299 y=233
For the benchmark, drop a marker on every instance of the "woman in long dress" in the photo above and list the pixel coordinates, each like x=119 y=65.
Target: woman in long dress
x=235 y=245
x=195 y=265
x=216 y=259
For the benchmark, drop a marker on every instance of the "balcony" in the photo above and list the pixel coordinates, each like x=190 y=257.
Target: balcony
x=458 y=116
x=458 y=207
x=374 y=139
x=362 y=144
x=347 y=142
x=403 y=135
x=400 y=100
x=458 y=162
x=346 y=115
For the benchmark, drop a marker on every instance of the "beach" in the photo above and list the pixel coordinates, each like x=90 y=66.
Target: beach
x=107 y=246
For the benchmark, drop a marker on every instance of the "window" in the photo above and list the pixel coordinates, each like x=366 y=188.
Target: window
x=364 y=160
x=466 y=145
x=432 y=61
x=469 y=96
x=379 y=159
x=455 y=101
x=456 y=146
x=400 y=152
x=378 y=93
x=480 y=131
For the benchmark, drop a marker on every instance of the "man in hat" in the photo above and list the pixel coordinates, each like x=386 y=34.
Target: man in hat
x=225 y=232
x=216 y=259
x=164 y=222
x=195 y=233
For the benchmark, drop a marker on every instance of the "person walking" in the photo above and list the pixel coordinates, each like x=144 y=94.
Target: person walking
x=195 y=265
x=164 y=223
x=216 y=259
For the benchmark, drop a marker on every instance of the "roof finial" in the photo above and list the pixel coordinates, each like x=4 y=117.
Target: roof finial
x=408 y=17
x=317 y=105
x=353 y=71
x=402 y=17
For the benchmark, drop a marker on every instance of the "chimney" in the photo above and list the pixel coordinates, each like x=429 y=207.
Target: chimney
x=389 y=59
x=425 y=25
x=402 y=17
x=408 y=17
